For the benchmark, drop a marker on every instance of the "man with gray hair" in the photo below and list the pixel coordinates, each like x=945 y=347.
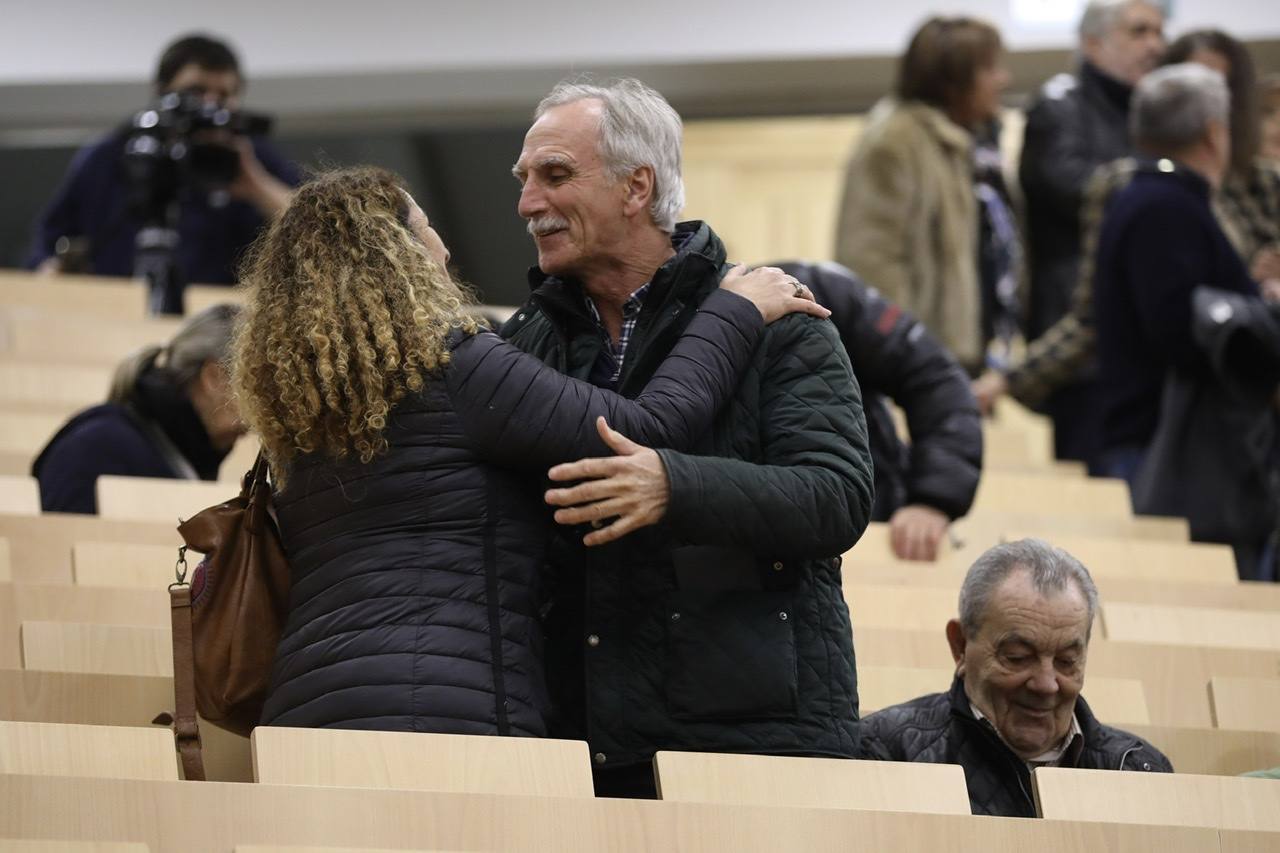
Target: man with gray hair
x=1020 y=643
x=1158 y=241
x=719 y=625
x=1076 y=124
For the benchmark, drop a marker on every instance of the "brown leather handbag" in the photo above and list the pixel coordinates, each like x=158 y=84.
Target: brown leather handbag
x=227 y=621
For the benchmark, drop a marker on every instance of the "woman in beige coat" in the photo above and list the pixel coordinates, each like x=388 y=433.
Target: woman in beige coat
x=909 y=217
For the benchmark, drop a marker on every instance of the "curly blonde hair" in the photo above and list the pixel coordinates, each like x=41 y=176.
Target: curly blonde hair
x=346 y=313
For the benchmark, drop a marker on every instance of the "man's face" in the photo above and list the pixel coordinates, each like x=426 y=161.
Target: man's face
x=1025 y=667
x=216 y=87
x=574 y=207
x=1132 y=46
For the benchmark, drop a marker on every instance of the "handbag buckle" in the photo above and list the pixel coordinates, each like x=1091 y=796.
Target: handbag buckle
x=180 y=567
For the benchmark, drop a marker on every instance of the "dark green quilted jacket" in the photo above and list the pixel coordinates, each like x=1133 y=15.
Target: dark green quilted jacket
x=723 y=628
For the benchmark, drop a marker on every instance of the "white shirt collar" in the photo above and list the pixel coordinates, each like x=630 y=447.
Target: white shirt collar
x=1049 y=758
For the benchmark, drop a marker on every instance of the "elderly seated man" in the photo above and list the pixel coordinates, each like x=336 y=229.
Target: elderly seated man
x=1020 y=645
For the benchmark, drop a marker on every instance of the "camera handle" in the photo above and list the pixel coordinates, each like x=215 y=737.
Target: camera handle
x=155 y=262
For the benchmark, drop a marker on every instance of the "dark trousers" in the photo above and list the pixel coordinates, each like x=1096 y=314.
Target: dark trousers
x=635 y=781
x=1074 y=411
x=1121 y=463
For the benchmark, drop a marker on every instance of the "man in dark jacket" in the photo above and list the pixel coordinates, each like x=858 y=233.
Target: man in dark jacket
x=721 y=625
x=920 y=489
x=1020 y=644
x=1075 y=125
x=1158 y=243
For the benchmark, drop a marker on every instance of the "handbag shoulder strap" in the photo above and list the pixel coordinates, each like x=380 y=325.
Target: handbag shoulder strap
x=257 y=492
x=186 y=727
x=169 y=452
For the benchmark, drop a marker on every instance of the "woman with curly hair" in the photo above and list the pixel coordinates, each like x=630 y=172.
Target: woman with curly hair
x=407 y=447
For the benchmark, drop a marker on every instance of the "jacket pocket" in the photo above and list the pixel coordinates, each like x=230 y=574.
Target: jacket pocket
x=730 y=654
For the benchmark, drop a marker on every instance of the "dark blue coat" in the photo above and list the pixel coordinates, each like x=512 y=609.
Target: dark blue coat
x=1159 y=241
x=101 y=440
x=416 y=578
x=122 y=440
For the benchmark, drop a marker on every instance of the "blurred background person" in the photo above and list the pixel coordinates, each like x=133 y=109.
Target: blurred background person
x=1159 y=240
x=1076 y=124
x=226 y=184
x=924 y=485
x=1269 y=96
x=169 y=413
x=1248 y=202
x=909 y=218
x=1247 y=206
x=1001 y=249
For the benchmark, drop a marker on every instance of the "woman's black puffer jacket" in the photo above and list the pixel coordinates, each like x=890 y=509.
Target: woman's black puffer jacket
x=416 y=594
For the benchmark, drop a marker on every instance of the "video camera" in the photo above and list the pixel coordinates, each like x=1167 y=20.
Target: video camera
x=181 y=142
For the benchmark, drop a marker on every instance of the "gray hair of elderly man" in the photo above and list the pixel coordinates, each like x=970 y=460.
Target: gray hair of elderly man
x=1100 y=16
x=1173 y=106
x=1051 y=569
x=638 y=128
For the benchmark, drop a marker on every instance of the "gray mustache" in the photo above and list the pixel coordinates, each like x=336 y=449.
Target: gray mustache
x=545 y=225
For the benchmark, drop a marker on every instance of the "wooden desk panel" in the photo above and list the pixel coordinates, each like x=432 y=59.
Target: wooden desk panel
x=105 y=649
x=115 y=700
x=422 y=761
x=1213 y=752
x=1191 y=626
x=40 y=547
x=193 y=818
x=827 y=783
x=65 y=749
x=1246 y=703
x=1170 y=799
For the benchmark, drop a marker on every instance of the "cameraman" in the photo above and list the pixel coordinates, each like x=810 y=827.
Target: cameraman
x=92 y=206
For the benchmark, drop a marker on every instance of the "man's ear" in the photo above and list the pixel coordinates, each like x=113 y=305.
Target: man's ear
x=640 y=187
x=1090 y=47
x=956 y=640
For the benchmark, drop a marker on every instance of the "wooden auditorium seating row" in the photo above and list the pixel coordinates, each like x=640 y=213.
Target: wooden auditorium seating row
x=547 y=769
x=1105 y=556
x=1127 y=683
x=35 y=845
x=41 y=547
x=108 y=298
x=1001 y=498
x=36 y=334
x=363 y=759
x=169 y=815
x=769 y=785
